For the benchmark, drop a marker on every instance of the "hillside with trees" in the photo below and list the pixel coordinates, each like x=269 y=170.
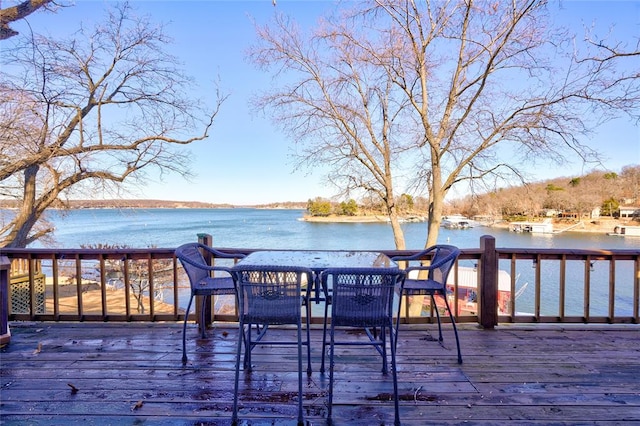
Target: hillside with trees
x=578 y=197
x=571 y=196
x=121 y=204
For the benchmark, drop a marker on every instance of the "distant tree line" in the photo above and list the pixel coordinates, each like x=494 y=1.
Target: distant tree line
x=119 y=204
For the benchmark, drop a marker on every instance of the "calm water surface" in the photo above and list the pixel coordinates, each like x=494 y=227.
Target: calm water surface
x=283 y=229
x=262 y=228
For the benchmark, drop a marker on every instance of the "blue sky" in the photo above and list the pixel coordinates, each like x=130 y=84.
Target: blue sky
x=246 y=160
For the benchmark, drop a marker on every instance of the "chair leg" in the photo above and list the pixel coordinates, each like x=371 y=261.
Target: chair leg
x=184 y=332
x=434 y=304
x=394 y=373
x=455 y=330
x=300 y=418
x=203 y=326
x=324 y=336
x=331 y=349
x=309 y=371
x=234 y=418
x=398 y=321
x=247 y=349
x=383 y=339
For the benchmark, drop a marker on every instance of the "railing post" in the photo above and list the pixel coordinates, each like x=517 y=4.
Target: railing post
x=5 y=267
x=207 y=240
x=488 y=313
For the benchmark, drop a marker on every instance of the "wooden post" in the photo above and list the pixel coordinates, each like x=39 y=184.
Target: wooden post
x=5 y=268
x=488 y=312
x=207 y=240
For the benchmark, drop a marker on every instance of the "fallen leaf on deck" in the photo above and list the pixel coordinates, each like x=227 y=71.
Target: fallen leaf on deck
x=73 y=388
x=37 y=351
x=137 y=406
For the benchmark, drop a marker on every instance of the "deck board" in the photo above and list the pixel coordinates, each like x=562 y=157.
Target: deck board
x=130 y=373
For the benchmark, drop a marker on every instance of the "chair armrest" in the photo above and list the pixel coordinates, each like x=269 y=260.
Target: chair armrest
x=423 y=255
x=418 y=256
x=221 y=254
x=420 y=268
x=207 y=267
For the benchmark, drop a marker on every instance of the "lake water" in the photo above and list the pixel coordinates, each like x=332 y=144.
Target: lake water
x=283 y=229
x=266 y=228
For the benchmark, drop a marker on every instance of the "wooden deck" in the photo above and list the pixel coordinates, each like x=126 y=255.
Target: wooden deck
x=131 y=374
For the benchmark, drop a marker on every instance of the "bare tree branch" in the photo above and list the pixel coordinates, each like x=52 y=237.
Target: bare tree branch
x=17 y=12
x=104 y=106
x=427 y=94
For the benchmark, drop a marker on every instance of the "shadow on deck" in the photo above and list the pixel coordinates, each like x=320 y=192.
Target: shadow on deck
x=130 y=373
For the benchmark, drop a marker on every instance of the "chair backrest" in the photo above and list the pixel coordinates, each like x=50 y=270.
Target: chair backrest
x=192 y=259
x=271 y=294
x=193 y=262
x=443 y=258
x=361 y=297
x=442 y=262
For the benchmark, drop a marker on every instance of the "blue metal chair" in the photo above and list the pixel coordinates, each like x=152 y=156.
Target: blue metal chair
x=362 y=297
x=270 y=295
x=443 y=257
x=202 y=282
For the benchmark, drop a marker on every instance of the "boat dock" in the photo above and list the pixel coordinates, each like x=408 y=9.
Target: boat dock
x=544 y=227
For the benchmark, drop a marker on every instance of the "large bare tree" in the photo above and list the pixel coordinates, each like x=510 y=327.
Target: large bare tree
x=447 y=92
x=343 y=103
x=89 y=112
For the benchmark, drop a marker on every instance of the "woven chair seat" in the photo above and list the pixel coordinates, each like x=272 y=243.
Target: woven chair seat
x=415 y=287
x=217 y=285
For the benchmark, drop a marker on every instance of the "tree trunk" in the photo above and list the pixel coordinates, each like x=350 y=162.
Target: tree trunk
x=436 y=204
x=25 y=218
x=398 y=233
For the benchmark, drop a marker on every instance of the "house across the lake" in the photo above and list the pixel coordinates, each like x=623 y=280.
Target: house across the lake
x=629 y=212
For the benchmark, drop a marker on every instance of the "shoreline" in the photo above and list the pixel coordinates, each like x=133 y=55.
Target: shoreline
x=345 y=219
x=597 y=226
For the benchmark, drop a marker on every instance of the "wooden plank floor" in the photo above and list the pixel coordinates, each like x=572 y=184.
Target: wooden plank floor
x=130 y=373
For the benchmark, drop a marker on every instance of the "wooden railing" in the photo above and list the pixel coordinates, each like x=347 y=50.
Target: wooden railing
x=578 y=286
x=150 y=285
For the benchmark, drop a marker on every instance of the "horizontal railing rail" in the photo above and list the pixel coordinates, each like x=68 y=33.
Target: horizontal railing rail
x=511 y=285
